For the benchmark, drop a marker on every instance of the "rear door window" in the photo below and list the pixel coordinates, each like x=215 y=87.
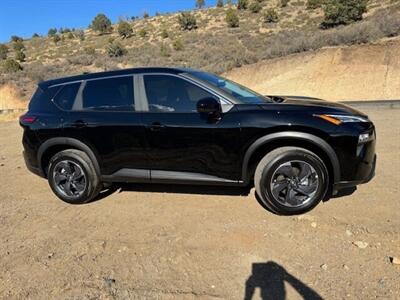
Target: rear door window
x=111 y=94
x=66 y=96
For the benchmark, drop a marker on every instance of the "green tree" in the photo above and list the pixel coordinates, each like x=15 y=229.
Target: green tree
x=18 y=45
x=3 y=51
x=101 y=24
x=232 y=18
x=124 y=29
x=242 y=4
x=200 y=4
x=271 y=16
x=343 y=12
x=187 y=21
x=52 y=32
x=35 y=35
x=20 y=56
x=255 y=7
x=220 y=3
x=11 y=66
x=146 y=15
x=15 y=38
x=115 y=49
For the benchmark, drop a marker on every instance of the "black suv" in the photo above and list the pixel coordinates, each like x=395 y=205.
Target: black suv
x=172 y=125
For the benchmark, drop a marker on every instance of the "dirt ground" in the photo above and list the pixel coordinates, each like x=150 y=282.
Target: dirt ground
x=175 y=245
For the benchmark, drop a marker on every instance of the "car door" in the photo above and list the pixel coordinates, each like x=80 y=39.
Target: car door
x=104 y=117
x=182 y=144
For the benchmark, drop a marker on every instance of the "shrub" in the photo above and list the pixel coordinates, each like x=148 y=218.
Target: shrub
x=271 y=16
x=115 y=49
x=164 y=33
x=80 y=34
x=20 y=56
x=143 y=32
x=164 y=50
x=101 y=24
x=18 y=46
x=220 y=3
x=200 y=4
x=145 y=15
x=124 y=29
x=178 y=45
x=242 y=4
x=343 y=12
x=90 y=50
x=284 y=3
x=70 y=35
x=314 y=4
x=35 y=35
x=187 y=21
x=52 y=32
x=56 y=39
x=232 y=18
x=11 y=66
x=3 y=51
x=81 y=60
x=255 y=7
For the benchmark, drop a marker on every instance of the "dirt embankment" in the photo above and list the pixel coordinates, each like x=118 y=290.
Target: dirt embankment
x=362 y=72
x=10 y=98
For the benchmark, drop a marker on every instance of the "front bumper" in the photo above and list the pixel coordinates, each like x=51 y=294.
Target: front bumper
x=349 y=184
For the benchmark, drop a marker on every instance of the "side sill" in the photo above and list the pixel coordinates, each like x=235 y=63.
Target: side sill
x=172 y=177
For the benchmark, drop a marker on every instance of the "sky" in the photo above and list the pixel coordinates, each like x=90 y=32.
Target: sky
x=26 y=17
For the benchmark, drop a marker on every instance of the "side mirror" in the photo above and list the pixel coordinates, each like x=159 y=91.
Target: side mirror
x=209 y=106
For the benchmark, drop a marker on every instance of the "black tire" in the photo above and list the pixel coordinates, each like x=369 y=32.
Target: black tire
x=290 y=158
x=89 y=187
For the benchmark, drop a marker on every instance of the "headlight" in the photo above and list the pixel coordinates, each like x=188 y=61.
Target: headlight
x=339 y=119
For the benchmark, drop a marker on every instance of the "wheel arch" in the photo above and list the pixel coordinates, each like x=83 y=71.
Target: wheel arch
x=54 y=145
x=308 y=141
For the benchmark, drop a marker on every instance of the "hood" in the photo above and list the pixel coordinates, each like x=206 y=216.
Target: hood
x=316 y=103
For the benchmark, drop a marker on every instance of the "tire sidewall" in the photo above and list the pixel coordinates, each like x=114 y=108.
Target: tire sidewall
x=282 y=158
x=85 y=168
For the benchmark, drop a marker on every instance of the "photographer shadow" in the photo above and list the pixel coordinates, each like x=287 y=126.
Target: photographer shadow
x=270 y=278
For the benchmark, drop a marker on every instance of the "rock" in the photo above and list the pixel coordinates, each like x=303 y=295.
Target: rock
x=50 y=255
x=395 y=260
x=360 y=244
x=314 y=224
x=1 y=165
x=109 y=281
x=346 y=267
x=348 y=232
x=305 y=218
x=324 y=267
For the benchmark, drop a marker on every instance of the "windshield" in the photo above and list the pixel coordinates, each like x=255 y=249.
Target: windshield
x=239 y=92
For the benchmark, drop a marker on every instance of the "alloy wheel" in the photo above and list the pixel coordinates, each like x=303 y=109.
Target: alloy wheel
x=69 y=178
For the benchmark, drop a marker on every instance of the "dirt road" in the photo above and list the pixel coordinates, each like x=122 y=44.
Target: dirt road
x=135 y=244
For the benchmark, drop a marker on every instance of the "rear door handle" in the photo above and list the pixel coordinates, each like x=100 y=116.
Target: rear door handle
x=156 y=126
x=79 y=124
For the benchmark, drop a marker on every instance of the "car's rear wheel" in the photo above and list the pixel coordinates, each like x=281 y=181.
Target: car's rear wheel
x=72 y=177
x=291 y=180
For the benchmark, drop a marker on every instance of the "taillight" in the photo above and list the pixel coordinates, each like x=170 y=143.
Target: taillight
x=26 y=119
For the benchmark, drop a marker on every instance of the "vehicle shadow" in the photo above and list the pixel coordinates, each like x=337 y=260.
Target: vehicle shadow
x=270 y=278
x=172 y=189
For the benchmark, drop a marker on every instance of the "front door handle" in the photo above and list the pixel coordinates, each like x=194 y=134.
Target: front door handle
x=79 y=124
x=156 y=126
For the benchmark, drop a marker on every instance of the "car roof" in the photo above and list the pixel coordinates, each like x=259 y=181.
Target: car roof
x=171 y=70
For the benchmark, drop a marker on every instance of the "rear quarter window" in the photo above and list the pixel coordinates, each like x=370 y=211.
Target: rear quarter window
x=65 y=97
x=41 y=100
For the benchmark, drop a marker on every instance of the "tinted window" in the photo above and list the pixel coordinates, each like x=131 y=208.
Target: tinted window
x=66 y=96
x=172 y=94
x=109 y=94
x=40 y=101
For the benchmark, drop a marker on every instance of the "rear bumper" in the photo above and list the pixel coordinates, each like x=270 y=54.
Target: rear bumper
x=349 y=184
x=29 y=165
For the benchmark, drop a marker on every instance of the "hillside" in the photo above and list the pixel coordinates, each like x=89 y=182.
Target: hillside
x=362 y=72
x=213 y=46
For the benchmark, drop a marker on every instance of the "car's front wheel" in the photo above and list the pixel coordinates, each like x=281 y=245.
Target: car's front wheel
x=291 y=180
x=72 y=177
